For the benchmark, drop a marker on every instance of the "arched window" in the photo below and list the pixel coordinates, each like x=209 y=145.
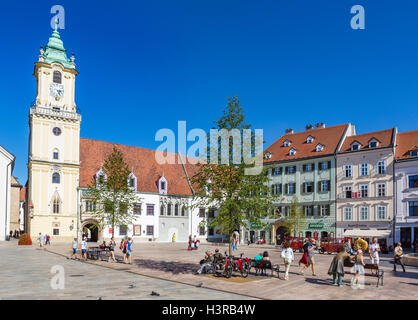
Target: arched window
x=169 y=209
x=176 y=210
x=161 y=210
x=183 y=211
x=56 y=206
x=55 y=154
x=56 y=77
x=56 y=178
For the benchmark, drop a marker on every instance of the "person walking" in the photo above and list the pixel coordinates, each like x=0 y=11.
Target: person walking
x=234 y=242
x=41 y=240
x=84 y=249
x=173 y=239
x=304 y=259
x=47 y=241
x=358 y=269
x=336 y=268
x=128 y=250
x=311 y=256
x=123 y=248
x=74 y=247
x=397 y=256
x=111 y=245
x=287 y=255
x=374 y=250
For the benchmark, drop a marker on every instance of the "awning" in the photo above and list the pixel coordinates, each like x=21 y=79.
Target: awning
x=367 y=233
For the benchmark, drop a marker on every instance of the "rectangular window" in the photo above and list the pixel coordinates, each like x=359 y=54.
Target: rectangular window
x=150 y=230
x=381 y=190
x=413 y=208
x=348 y=171
x=150 y=209
x=348 y=214
x=211 y=232
x=324 y=186
x=381 y=213
x=309 y=188
x=381 y=168
x=276 y=189
x=364 y=169
x=325 y=165
x=413 y=181
x=364 y=213
x=202 y=213
x=291 y=170
x=55 y=155
x=347 y=192
x=308 y=211
x=201 y=231
x=137 y=209
x=56 y=232
x=90 y=206
x=291 y=188
x=308 y=167
x=211 y=213
x=137 y=229
x=364 y=191
x=276 y=171
x=325 y=210
x=123 y=230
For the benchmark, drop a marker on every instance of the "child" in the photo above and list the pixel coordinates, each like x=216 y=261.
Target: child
x=128 y=251
x=287 y=255
x=358 y=269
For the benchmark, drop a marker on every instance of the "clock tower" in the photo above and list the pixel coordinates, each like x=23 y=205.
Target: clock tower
x=54 y=139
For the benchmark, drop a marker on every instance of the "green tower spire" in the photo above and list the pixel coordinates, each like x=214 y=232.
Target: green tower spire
x=55 y=51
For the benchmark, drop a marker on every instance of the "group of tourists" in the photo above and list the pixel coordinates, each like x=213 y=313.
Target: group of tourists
x=193 y=243
x=125 y=246
x=43 y=240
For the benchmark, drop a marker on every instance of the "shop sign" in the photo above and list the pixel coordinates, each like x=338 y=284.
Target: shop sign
x=254 y=225
x=317 y=225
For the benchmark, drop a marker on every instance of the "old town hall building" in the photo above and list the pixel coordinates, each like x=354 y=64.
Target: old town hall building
x=61 y=165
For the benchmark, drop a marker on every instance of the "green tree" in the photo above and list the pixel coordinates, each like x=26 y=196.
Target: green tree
x=113 y=193
x=239 y=197
x=296 y=219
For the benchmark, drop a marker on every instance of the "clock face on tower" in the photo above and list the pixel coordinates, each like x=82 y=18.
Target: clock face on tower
x=56 y=90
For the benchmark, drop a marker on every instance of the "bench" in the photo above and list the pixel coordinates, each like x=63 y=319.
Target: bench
x=374 y=271
x=263 y=266
x=96 y=253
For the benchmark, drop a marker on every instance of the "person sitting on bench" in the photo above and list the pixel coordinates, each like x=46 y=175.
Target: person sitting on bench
x=206 y=263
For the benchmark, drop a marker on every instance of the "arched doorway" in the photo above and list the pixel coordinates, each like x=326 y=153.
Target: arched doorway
x=280 y=231
x=91 y=232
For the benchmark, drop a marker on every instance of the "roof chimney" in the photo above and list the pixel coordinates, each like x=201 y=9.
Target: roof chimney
x=309 y=127
x=289 y=131
x=320 y=125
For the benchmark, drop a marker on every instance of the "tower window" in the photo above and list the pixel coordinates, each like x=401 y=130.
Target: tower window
x=56 y=77
x=56 y=178
x=56 y=131
x=56 y=206
x=55 y=155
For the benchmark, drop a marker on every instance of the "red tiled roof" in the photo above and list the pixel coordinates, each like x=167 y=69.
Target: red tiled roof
x=147 y=171
x=384 y=137
x=328 y=137
x=406 y=142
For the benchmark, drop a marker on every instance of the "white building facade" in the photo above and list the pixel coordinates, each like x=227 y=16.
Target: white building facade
x=6 y=169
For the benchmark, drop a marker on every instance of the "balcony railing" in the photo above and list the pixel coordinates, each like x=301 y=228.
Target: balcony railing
x=51 y=112
x=358 y=196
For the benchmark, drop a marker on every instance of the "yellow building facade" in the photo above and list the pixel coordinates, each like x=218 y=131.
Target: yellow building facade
x=54 y=139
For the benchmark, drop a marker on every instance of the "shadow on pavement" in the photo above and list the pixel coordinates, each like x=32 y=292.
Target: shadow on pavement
x=167 y=266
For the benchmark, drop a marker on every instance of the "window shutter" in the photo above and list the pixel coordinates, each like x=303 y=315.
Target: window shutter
x=329 y=164
x=329 y=185
x=313 y=187
x=281 y=188
x=303 y=187
x=272 y=189
x=304 y=168
x=286 y=186
x=319 y=186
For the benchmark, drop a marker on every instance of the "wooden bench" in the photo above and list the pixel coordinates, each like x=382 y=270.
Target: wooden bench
x=374 y=271
x=96 y=253
x=263 y=266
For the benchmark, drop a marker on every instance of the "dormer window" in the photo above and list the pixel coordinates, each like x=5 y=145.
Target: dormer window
x=267 y=155
x=162 y=185
x=319 y=147
x=292 y=152
x=132 y=181
x=100 y=176
x=355 y=147
x=414 y=153
x=286 y=143
x=310 y=139
x=373 y=144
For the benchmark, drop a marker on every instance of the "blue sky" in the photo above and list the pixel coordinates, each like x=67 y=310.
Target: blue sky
x=144 y=65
